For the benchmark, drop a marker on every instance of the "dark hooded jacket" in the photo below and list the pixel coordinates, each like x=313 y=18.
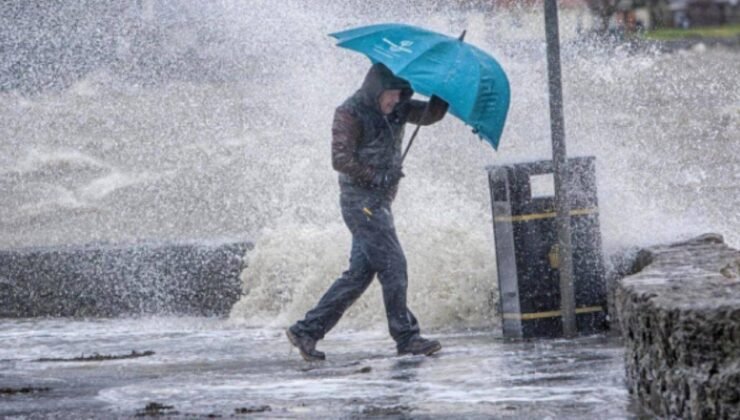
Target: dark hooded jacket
x=365 y=141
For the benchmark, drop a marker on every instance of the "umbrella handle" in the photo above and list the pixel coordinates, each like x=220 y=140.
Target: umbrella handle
x=416 y=131
x=411 y=141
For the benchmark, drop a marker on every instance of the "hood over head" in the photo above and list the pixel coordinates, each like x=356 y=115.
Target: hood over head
x=380 y=78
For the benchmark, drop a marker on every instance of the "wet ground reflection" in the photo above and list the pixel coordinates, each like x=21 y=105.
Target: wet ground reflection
x=207 y=367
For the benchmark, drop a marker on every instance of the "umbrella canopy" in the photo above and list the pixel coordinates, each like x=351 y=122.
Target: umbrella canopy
x=468 y=78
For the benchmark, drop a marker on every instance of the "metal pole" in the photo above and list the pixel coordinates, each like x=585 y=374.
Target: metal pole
x=560 y=168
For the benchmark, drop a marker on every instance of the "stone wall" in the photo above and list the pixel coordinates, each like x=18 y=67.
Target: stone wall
x=680 y=319
x=115 y=280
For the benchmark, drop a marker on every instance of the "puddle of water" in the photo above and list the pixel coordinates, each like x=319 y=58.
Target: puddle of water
x=209 y=366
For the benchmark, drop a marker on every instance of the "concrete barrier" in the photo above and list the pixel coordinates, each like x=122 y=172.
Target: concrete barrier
x=680 y=319
x=115 y=280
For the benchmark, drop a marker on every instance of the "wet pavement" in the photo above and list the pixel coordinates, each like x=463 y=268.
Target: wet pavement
x=213 y=367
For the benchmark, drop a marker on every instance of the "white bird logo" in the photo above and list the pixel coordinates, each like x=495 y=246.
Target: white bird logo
x=402 y=46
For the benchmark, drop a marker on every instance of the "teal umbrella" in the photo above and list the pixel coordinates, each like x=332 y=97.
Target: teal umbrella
x=468 y=78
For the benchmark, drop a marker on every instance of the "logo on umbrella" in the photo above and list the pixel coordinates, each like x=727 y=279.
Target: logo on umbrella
x=403 y=46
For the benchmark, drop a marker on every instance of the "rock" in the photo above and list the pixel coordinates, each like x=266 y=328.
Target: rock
x=383 y=411
x=618 y=266
x=115 y=280
x=731 y=270
x=707 y=238
x=680 y=320
x=365 y=369
x=252 y=410
x=98 y=357
x=155 y=409
x=24 y=390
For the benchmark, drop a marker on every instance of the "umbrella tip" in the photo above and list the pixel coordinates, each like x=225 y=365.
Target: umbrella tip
x=462 y=35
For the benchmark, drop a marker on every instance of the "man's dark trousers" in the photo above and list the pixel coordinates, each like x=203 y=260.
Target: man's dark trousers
x=375 y=250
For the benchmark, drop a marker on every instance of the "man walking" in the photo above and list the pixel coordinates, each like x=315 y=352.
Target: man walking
x=367 y=137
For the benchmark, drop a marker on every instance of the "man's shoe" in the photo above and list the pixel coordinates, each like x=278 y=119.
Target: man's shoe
x=419 y=345
x=306 y=345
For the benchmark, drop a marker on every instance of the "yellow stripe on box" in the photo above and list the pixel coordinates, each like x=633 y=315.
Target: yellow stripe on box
x=536 y=216
x=551 y=314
